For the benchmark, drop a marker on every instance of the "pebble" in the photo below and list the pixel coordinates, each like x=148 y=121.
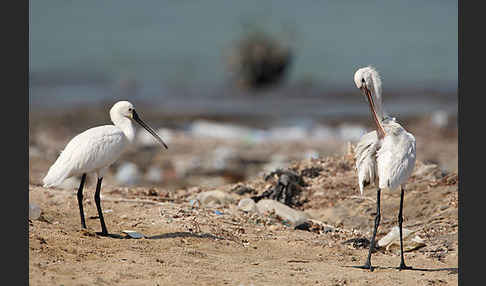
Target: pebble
x=133 y=234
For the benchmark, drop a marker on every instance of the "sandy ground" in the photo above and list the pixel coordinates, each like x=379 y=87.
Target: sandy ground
x=190 y=244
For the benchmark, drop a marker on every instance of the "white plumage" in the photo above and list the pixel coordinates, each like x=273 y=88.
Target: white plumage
x=386 y=162
x=384 y=157
x=94 y=150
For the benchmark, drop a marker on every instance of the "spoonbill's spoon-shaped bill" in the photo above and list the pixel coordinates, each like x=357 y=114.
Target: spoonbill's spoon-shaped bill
x=148 y=128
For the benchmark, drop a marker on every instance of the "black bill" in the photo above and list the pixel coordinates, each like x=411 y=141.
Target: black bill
x=148 y=128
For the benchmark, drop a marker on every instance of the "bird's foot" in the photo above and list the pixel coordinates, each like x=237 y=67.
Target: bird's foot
x=103 y=233
x=365 y=266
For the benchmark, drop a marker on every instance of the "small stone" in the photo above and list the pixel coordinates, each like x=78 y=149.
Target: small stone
x=247 y=205
x=133 y=234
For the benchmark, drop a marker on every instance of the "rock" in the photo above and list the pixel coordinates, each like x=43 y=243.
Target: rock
x=133 y=234
x=34 y=211
x=287 y=213
x=128 y=174
x=215 y=197
x=247 y=205
x=393 y=239
x=287 y=189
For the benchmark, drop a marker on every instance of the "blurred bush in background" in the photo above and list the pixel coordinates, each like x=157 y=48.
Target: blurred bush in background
x=259 y=60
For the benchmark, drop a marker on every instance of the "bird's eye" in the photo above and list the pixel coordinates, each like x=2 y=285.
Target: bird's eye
x=130 y=109
x=362 y=80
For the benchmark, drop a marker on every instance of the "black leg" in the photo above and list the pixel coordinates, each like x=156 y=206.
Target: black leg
x=367 y=264
x=400 y=221
x=80 y=200
x=104 y=231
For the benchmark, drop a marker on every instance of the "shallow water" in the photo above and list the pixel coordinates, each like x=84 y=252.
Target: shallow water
x=174 y=52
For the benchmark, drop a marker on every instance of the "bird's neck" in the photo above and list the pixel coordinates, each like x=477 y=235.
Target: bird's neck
x=126 y=125
x=377 y=94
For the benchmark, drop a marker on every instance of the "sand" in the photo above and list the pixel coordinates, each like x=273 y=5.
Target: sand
x=189 y=244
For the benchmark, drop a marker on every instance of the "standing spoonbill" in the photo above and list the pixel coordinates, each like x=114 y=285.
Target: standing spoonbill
x=385 y=157
x=94 y=150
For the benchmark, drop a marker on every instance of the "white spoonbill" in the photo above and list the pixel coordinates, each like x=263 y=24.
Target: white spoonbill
x=385 y=157
x=94 y=150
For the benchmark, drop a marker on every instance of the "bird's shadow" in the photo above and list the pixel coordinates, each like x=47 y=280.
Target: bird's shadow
x=185 y=234
x=452 y=270
x=182 y=234
x=112 y=235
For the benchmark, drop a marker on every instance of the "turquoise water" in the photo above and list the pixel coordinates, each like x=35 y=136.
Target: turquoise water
x=82 y=48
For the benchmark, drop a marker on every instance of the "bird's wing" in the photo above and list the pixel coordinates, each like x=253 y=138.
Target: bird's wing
x=90 y=150
x=96 y=147
x=396 y=160
x=365 y=155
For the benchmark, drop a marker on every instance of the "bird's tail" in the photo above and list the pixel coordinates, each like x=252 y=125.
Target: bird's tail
x=56 y=174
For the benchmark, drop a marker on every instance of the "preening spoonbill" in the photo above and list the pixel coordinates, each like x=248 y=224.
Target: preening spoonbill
x=94 y=150
x=384 y=157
